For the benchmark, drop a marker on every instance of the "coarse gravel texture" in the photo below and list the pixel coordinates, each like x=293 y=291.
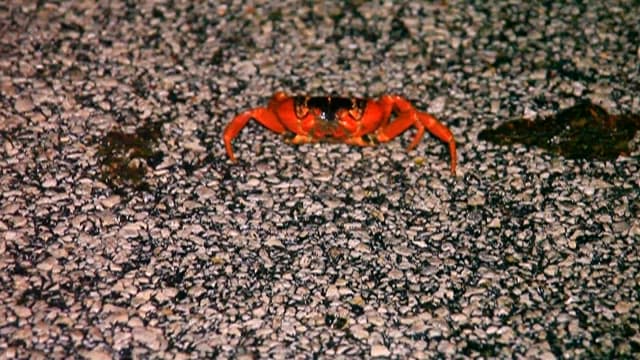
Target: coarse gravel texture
x=318 y=250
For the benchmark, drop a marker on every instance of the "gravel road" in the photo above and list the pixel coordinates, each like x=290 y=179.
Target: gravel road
x=125 y=232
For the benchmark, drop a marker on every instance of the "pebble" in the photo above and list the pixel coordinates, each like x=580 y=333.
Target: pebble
x=254 y=183
x=22 y=311
x=495 y=223
x=379 y=350
x=477 y=199
x=375 y=319
x=48 y=264
x=49 y=183
x=623 y=307
x=205 y=193
x=24 y=104
x=437 y=105
x=194 y=146
x=150 y=337
x=446 y=347
x=395 y=274
x=403 y=250
x=96 y=354
x=332 y=292
x=131 y=230
x=111 y=201
x=166 y=294
x=274 y=242
x=10 y=149
x=359 y=332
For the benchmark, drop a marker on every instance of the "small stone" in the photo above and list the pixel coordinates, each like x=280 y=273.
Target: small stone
x=25 y=334
x=22 y=311
x=111 y=201
x=375 y=319
x=195 y=146
x=418 y=326
x=49 y=183
x=380 y=350
x=578 y=88
x=506 y=335
x=273 y=242
x=588 y=190
x=245 y=69
x=357 y=300
x=494 y=224
x=359 y=332
x=205 y=193
x=167 y=163
x=6 y=87
x=324 y=176
x=143 y=296
x=10 y=149
x=395 y=274
x=24 y=104
x=345 y=291
x=551 y=270
x=419 y=243
x=547 y=355
x=476 y=200
x=437 y=105
x=332 y=292
x=191 y=205
x=96 y=355
x=253 y=324
x=604 y=218
x=130 y=230
x=459 y=317
x=623 y=307
x=48 y=264
x=495 y=106
x=19 y=221
x=166 y=294
x=529 y=114
x=150 y=337
x=118 y=317
x=573 y=327
x=104 y=105
x=446 y=347
x=403 y=250
x=620 y=227
x=121 y=339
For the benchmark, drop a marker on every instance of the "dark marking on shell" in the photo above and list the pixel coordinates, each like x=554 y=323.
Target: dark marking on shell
x=328 y=107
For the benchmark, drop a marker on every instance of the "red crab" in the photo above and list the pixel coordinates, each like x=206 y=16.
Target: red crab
x=362 y=122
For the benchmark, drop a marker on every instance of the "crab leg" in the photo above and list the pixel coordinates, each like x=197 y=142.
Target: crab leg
x=264 y=116
x=443 y=133
x=407 y=117
x=399 y=125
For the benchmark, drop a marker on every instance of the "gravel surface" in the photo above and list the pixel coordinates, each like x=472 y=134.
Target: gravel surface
x=317 y=250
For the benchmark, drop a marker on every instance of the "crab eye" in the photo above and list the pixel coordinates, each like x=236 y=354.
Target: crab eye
x=301 y=111
x=356 y=109
x=300 y=106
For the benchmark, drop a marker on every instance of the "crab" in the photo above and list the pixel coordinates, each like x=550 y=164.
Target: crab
x=355 y=121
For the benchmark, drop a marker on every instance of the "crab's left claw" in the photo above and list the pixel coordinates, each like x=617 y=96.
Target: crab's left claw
x=264 y=116
x=408 y=116
x=443 y=133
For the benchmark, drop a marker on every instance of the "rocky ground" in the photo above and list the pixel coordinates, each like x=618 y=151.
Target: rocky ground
x=126 y=232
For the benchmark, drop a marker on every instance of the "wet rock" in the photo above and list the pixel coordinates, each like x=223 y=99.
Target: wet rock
x=584 y=131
